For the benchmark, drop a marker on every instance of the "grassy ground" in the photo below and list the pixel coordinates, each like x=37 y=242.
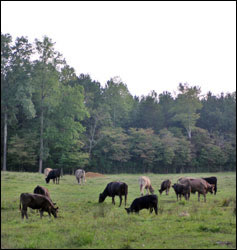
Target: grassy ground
x=84 y=223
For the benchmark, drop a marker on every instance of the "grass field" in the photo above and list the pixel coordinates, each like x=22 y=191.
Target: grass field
x=84 y=223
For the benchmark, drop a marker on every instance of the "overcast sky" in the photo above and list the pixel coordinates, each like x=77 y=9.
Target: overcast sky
x=150 y=45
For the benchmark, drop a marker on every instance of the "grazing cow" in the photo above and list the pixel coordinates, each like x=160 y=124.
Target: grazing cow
x=46 y=171
x=147 y=201
x=43 y=191
x=145 y=182
x=115 y=188
x=53 y=174
x=198 y=185
x=165 y=185
x=37 y=201
x=182 y=189
x=212 y=180
x=80 y=175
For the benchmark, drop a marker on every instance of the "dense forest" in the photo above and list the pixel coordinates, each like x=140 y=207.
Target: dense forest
x=51 y=117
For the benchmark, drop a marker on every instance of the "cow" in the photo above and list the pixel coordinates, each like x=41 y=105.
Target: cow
x=182 y=189
x=198 y=185
x=165 y=186
x=145 y=182
x=37 y=201
x=46 y=171
x=80 y=175
x=212 y=180
x=53 y=174
x=43 y=191
x=147 y=201
x=112 y=189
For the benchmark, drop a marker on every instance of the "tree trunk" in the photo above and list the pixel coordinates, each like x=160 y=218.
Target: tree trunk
x=41 y=141
x=5 y=143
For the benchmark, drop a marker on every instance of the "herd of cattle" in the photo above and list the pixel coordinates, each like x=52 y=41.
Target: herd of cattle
x=41 y=200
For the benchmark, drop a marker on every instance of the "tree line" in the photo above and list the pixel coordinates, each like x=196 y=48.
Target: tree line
x=52 y=117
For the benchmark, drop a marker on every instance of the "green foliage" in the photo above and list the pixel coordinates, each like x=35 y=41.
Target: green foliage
x=72 y=121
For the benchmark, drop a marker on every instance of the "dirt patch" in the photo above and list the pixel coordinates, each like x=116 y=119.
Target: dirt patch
x=93 y=175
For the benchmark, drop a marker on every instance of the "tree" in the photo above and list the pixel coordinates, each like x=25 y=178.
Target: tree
x=186 y=106
x=16 y=90
x=120 y=102
x=46 y=79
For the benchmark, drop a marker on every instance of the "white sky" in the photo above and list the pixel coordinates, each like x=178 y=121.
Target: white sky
x=151 y=45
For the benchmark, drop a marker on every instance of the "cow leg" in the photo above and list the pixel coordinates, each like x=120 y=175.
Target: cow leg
x=125 y=199
x=22 y=214
x=156 y=209
x=41 y=213
x=26 y=215
x=151 y=210
x=141 y=189
x=120 y=200
x=113 y=202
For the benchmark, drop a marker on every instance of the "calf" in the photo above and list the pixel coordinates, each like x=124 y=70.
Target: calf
x=80 y=175
x=46 y=171
x=181 y=189
x=115 y=188
x=145 y=182
x=53 y=174
x=165 y=185
x=37 y=201
x=213 y=181
x=147 y=201
x=198 y=185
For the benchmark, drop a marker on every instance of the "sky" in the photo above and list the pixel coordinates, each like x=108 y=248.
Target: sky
x=150 y=45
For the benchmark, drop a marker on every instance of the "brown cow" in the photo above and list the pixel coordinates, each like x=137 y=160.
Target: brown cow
x=43 y=191
x=165 y=186
x=145 y=182
x=37 y=201
x=197 y=185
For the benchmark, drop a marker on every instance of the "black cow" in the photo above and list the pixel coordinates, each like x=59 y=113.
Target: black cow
x=182 y=189
x=212 y=180
x=165 y=185
x=115 y=188
x=53 y=174
x=148 y=202
x=37 y=201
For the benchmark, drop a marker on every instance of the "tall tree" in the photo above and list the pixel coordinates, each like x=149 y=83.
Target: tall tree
x=16 y=90
x=186 y=106
x=46 y=79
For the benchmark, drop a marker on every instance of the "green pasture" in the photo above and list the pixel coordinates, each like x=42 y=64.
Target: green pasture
x=84 y=223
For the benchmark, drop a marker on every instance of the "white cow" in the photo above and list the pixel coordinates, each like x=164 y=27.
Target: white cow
x=80 y=174
x=46 y=171
x=145 y=182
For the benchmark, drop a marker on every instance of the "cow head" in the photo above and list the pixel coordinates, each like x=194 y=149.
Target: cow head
x=128 y=210
x=151 y=190
x=54 y=211
x=101 y=198
x=210 y=188
x=174 y=186
x=47 y=180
